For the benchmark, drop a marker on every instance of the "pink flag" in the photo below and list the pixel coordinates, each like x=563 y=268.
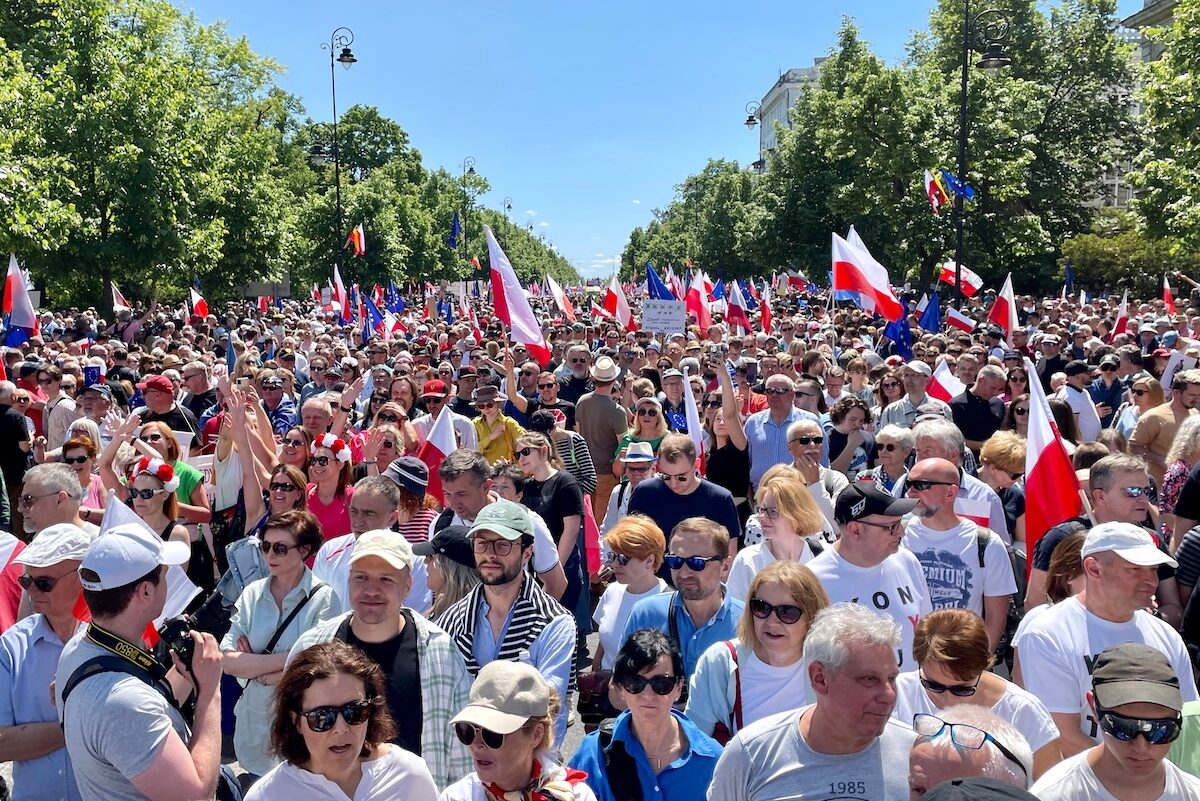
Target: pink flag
x=1004 y=311
x=511 y=304
x=945 y=385
x=1051 y=485
x=855 y=270
x=437 y=446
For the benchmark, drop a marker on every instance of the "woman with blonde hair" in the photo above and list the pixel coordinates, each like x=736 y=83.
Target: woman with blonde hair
x=1001 y=467
x=762 y=671
x=1145 y=393
x=636 y=546
x=788 y=517
x=649 y=425
x=1182 y=456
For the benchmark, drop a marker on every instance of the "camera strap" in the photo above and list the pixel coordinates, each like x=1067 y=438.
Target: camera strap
x=118 y=646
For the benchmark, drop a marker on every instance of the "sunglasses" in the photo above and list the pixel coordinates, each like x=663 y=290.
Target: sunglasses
x=620 y=558
x=485 y=406
x=647 y=412
x=889 y=446
x=282 y=486
x=712 y=404
x=528 y=373
x=777 y=390
x=1018 y=379
x=681 y=478
x=695 y=563
x=787 y=613
x=640 y=469
x=1136 y=492
x=45 y=381
x=466 y=733
x=890 y=528
x=1140 y=392
x=891 y=385
x=41 y=583
x=151 y=438
x=144 y=494
x=322 y=718
x=922 y=484
x=528 y=451
x=579 y=361
x=1157 y=731
x=277 y=548
x=1107 y=368
x=295 y=443
x=1020 y=411
x=957 y=690
x=547 y=386
x=785 y=329
x=75 y=459
x=806 y=440
x=662 y=685
x=322 y=461
x=387 y=417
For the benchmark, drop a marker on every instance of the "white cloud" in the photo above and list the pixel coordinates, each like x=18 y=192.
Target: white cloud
x=637 y=202
x=543 y=225
x=531 y=212
x=598 y=256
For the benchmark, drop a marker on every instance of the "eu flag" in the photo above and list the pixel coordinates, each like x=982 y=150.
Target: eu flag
x=1070 y=276
x=373 y=318
x=391 y=299
x=897 y=331
x=455 y=230
x=957 y=187
x=931 y=318
x=751 y=303
x=655 y=286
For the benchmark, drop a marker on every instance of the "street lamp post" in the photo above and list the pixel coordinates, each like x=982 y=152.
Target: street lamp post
x=988 y=31
x=468 y=168
x=339 y=53
x=507 y=206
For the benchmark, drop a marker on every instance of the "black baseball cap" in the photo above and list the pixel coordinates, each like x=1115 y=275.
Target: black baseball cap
x=1135 y=673
x=862 y=498
x=451 y=542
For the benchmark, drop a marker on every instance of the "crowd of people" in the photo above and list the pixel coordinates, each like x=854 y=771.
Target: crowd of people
x=237 y=564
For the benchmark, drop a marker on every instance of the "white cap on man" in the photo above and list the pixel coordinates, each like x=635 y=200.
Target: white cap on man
x=125 y=553
x=1128 y=541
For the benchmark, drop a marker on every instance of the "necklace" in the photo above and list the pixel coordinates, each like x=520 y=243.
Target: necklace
x=659 y=761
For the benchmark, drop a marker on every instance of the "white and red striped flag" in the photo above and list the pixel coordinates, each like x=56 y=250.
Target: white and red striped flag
x=1122 y=315
x=855 y=270
x=737 y=315
x=959 y=320
x=511 y=304
x=1051 y=485
x=767 y=317
x=971 y=282
x=617 y=305
x=945 y=385
x=560 y=298
x=437 y=446
x=199 y=304
x=119 y=302
x=1168 y=298
x=696 y=302
x=692 y=412
x=1004 y=310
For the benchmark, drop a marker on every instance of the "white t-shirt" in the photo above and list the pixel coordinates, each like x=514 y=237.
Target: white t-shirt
x=749 y=561
x=896 y=586
x=1081 y=403
x=1074 y=780
x=1059 y=649
x=768 y=690
x=395 y=773
x=1017 y=706
x=950 y=560
x=612 y=611
x=332 y=566
x=1027 y=621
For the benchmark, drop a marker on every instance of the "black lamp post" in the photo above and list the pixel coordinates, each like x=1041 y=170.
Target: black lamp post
x=507 y=206
x=987 y=31
x=468 y=168
x=752 y=114
x=339 y=53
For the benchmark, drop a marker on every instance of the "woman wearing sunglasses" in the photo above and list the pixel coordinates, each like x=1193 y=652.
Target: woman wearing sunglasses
x=893 y=445
x=331 y=727
x=497 y=432
x=634 y=554
x=1016 y=383
x=953 y=658
x=889 y=389
x=727 y=457
x=150 y=493
x=296 y=444
x=381 y=445
x=508 y=728
x=762 y=670
x=1145 y=394
x=649 y=425
x=1001 y=467
x=79 y=454
x=329 y=489
x=1016 y=416
x=268 y=618
x=784 y=529
x=650 y=744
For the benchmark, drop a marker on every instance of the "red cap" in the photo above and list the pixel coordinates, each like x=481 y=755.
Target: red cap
x=434 y=387
x=158 y=382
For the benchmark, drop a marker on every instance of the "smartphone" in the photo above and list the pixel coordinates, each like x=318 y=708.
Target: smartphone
x=243 y=381
x=751 y=372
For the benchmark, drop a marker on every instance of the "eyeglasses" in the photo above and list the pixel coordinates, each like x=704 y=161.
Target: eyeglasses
x=620 y=558
x=1107 y=368
x=277 y=548
x=387 y=443
x=547 y=386
x=322 y=461
x=579 y=361
x=891 y=385
x=771 y=512
x=962 y=734
x=777 y=390
x=282 y=486
x=806 y=440
x=922 y=484
x=75 y=459
x=890 y=528
x=144 y=494
x=41 y=583
x=694 y=563
x=322 y=718
x=680 y=478
x=387 y=417
x=500 y=547
x=1136 y=492
x=1020 y=411
x=957 y=690
x=466 y=733
x=712 y=404
x=1018 y=379
x=45 y=381
x=1157 y=731
x=529 y=373
x=787 y=613
x=662 y=685
x=786 y=328
x=295 y=443
x=647 y=411
x=528 y=451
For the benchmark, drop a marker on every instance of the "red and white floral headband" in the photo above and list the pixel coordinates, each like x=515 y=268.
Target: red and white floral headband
x=159 y=469
x=339 y=447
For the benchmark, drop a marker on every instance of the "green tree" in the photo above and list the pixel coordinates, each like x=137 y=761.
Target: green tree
x=1115 y=255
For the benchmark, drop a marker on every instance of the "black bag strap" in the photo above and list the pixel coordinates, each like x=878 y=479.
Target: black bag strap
x=287 y=621
x=443 y=520
x=672 y=623
x=621 y=768
x=108 y=663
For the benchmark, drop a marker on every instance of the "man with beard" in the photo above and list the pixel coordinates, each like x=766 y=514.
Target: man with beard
x=577 y=383
x=508 y=616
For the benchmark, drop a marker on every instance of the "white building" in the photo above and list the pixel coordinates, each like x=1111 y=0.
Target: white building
x=776 y=104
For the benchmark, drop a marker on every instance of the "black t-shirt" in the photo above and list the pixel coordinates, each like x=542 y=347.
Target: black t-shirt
x=397 y=658
x=1188 y=505
x=463 y=406
x=729 y=467
x=197 y=404
x=177 y=419
x=977 y=418
x=838 y=440
x=574 y=388
x=566 y=407
x=667 y=509
x=555 y=498
x=13 y=431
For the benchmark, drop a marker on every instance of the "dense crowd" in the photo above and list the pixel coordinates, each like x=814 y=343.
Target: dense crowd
x=805 y=561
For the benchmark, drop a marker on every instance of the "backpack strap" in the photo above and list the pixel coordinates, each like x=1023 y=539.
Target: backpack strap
x=737 y=685
x=672 y=623
x=109 y=663
x=619 y=765
x=982 y=537
x=443 y=520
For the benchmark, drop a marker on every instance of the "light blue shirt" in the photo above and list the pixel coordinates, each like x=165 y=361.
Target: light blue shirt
x=552 y=653
x=29 y=653
x=767 y=440
x=651 y=613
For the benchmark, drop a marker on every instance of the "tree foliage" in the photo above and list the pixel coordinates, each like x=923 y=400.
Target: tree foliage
x=1115 y=255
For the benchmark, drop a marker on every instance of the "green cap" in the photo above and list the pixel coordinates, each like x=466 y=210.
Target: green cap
x=510 y=520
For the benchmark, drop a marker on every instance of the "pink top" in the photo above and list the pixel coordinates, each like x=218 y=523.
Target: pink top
x=96 y=497
x=334 y=517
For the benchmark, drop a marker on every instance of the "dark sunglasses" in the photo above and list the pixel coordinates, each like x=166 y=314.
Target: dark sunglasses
x=1020 y=411
x=387 y=417
x=42 y=583
x=277 y=548
x=787 y=613
x=1139 y=392
x=649 y=411
x=144 y=494
x=957 y=690
x=282 y=486
x=891 y=385
x=579 y=361
x=322 y=718
x=528 y=451
x=75 y=459
x=694 y=563
x=639 y=469
x=777 y=390
x=806 y=440
x=1157 y=731
x=889 y=446
x=922 y=484
x=620 y=558
x=712 y=404
x=466 y=733
x=1136 y=492
x=151 y=438
x=485 y=406
x=662 y=685
x=45 y=382
x=1107 y=368
x=547 y=386
x=322 y=461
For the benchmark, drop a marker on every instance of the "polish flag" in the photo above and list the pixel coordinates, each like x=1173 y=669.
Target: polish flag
x=855 y=270
x=22 y=321
x=466 y=312
x=1051 y=485
x=696 y=302
x=959 y=320
x=119 y=302
x=437 y=446
x=616 y=305
x=341 y=299
x=512 y=305
x=262 y=303
x=199 y=304
x=1122 y=315
x=560 y=298
x=1168 y=298
x=1004 y=311
x=601 y=313
x=921 y=304
x=692 y=413
x=766 y=309
x=673 y=283
x=945 y=385
x=971 y=282
x=737 y=314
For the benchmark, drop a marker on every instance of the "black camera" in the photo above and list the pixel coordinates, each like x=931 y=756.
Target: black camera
x=176 y=635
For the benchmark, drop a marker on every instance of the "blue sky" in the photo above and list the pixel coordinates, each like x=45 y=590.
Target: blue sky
x=585 y=114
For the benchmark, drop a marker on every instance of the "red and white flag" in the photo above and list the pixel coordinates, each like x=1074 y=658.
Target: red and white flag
x=971 y=282
x=560 y=298
x=1004 y=311
x=1168 y=298
x=692 y=413
x=936 y=194
x=855 y=270
x=341 y=298
x=512 y=305
x=959 y=320
x=199 y=304
x=1122 y=315
x=737 y=315
x=437 y=446
x=1051 y=485
x=23 y=322
x=119 y=302
x=617 y=305
x=600 y=313
x=945 y=385
x=765 y=303
x=696 y=302
x=467 y=313
x=921 y=304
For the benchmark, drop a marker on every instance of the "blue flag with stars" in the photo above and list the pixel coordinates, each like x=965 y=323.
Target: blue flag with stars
x=655 y=286
x=392 y=300
x=897 y=331
x=931 y=318
x=751 y=303
x=455 y=230
x=372 y=319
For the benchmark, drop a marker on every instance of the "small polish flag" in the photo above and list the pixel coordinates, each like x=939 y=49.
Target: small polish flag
x=765 y=301
x=616 y=304
x=1051 y=484
x=945 y=385
x=119 y=302
x=1168 y=298
x=737 y=316
x=512 y=305
x=959 y=320
x=560 y=298
x=199 y=304
x=1122 y=315
x=437 y=446
x=1004 y=310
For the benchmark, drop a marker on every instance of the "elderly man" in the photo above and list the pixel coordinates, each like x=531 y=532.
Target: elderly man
x=30 y=736
x=435 y=395
x=200 y=394
x=1059 y=649
x=1075 y=394
x=316 y=416
x=963 y=741
x=52 y=494
x=426 y=677
x=915 y=376
x=867 y=566
x=846 y=745
x=548 y=387
x=1051 y=360
x=806 y=444
x=639 y=462
x=767 y=431
x=281 y=410
x=576 y=382
x=978 y=411
x=159 y=395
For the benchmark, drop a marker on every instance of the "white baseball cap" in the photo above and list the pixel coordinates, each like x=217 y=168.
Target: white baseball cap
x=1128 y=541
x=61 y=542
x=125 y=553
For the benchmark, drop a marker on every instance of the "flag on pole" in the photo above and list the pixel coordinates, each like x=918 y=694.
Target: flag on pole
x=1051 y=485
x=341 y=299
x=971 y=282
x=437 y=446
x=1004 y=310
x=617 y=305
x=855 y=270
x=936 y=193
x=931 y=317
x=767 y=317
x=899 y=333
x=511 y=304
x=199 y=304
x=945 y=385
x=737 y=314
x=959 y=320
x=692 y=413
x=560 y=298
x=958 y=187
x=18 y=309
x=1069 y=276
x=118 y=300
x=1168 y=298
x=455 y=230
x=696 y=302
x=655 y=287
x=358 y=240
x=391 y=298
